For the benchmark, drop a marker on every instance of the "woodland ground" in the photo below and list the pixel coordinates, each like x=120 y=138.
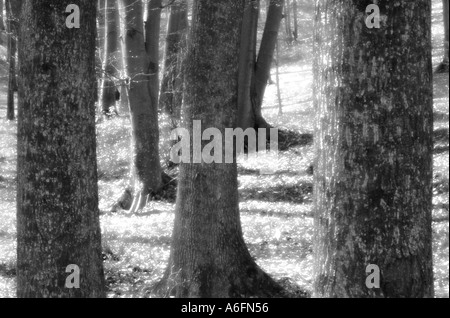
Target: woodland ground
x=276 y=210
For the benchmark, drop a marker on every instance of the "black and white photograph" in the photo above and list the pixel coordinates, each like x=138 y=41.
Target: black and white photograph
x=224 y=156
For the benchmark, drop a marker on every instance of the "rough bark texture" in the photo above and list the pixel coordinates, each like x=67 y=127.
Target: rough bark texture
x=13 y=11
x=172 y=82
x=208 y=256
x=57 y=199
x=112 y=56
x=374 y=127
x=146 y=168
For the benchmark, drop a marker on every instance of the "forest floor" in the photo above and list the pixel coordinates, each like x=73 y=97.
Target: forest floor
x=276 y=210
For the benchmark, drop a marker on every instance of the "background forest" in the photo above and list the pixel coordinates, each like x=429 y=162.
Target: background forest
x=276 y=210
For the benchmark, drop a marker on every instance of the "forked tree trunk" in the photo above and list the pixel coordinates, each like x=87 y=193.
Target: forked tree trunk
x=374 y=150
x=12 y=13
x=250 y=111
x=208 y=256
x=57 y=201
x=172 y=82
x=146 y=168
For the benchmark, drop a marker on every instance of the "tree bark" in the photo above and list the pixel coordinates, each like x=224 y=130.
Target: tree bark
x=172 y=82
x=258 y=73
x=247 y=60
x=12 y=12
x=152 y=31
x=2 y=23
x=208 y=256
x=57 y=201
x=295 y=8
x=444 y=66
x=374 y=149
x=146 y=168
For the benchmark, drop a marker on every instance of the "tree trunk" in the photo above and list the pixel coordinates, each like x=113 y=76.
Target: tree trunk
x=172 y=82
x=152 y=31
x=287 y=20
x=112 y=57
x=57 y=201
x=247 y=60
x=444 y=67
x=374 y=150
x=265 y=58
x=12 y=12
x=250 y=112
x=295 y=8
x=208 y=256
x=146 y=168
x=2 y=23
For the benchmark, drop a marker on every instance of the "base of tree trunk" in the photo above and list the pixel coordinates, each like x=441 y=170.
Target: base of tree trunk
x=442 y=68
x=232 y=281
x=133 y=203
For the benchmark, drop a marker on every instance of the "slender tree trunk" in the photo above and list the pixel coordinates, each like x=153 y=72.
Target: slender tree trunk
x=444 y=66
x=13 y=11
x=374 y=147
x=2 y=23
x=280 y=103
x=146 y=168
x=57 y=201
x=247 y=60
x=112 y=57
x=287 y=20
x=295 y=8
x=208 y=256
x=265 y=59
x=172 y=82
x=152 y=31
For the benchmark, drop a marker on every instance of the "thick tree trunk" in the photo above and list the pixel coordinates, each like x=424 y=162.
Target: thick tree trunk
x=13 y=12
x=146 y=168
x=374 y=147
x=112 y=57
x=208 y=256
x=57 y=200
x=172 y=82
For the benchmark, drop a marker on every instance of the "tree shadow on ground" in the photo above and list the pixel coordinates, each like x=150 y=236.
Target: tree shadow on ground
x=300 y=193
x=288 y=139
x=441 y=141
x=7 y=271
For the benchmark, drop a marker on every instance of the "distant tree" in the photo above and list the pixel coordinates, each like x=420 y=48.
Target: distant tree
x=2 y=23
x=374 y=147
x=12 y=13
x=172 y=82
x=112 y=57
x=444 y=66
x=208 y=255
x=295 y=9
x=57 y=200
x=146 y=167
